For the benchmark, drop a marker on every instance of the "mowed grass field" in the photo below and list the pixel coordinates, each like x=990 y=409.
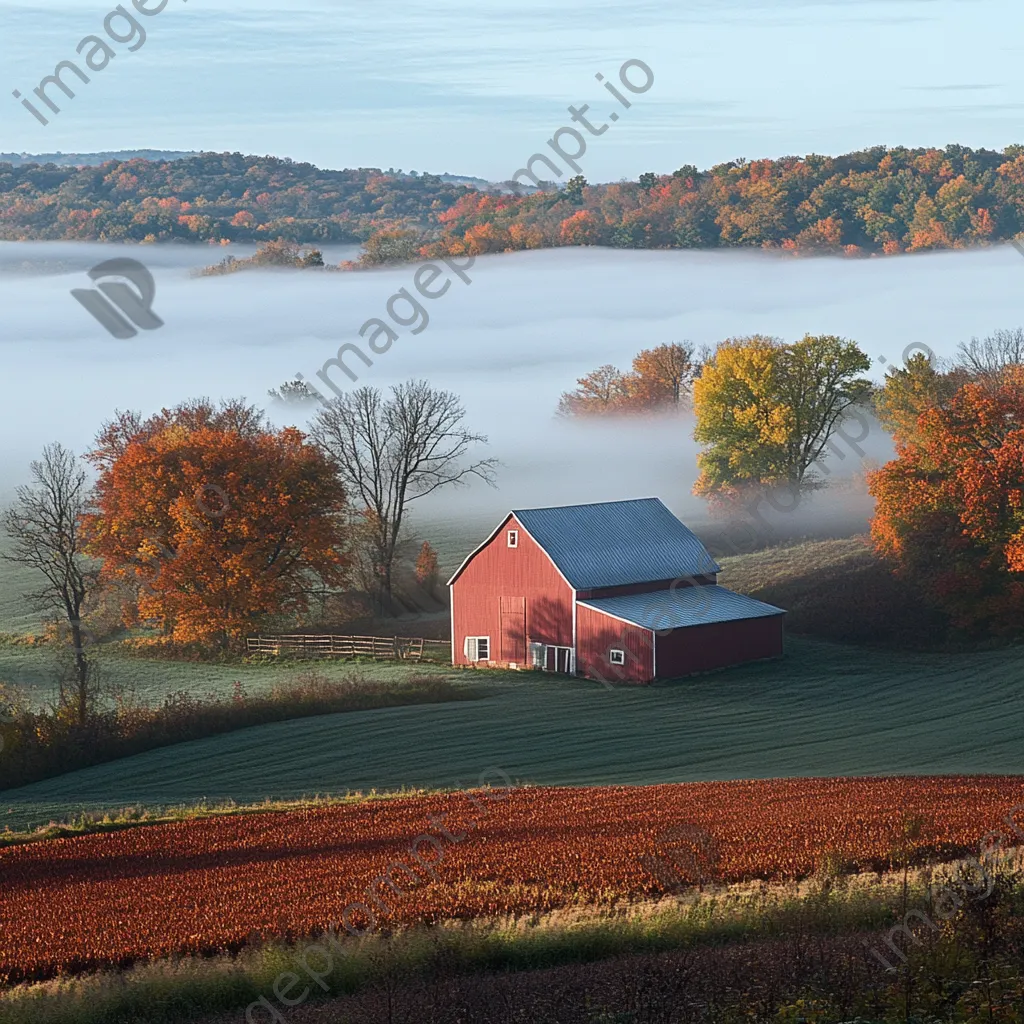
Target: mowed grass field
x=825 y=709
x=33 y=670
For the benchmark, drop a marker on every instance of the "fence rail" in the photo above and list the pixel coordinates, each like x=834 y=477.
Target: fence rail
x=395 y=648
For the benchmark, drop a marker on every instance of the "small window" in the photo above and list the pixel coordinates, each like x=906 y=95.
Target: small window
x=478 y=648
x=513 y=538
x=616 y=656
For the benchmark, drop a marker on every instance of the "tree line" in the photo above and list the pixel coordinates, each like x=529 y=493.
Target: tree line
x=877 y=200
x=949 y=514
x=214 y=197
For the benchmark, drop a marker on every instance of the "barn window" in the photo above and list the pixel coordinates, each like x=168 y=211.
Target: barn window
x=616 y=656
x=478 y=648
x=513 y=538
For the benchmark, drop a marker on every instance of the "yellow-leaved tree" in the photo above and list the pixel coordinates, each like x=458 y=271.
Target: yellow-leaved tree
x=766 y=410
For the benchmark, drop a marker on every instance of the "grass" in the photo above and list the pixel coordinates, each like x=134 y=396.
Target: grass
x=41 y=745
x=179 y=990
x=757 y=915
x=824 y=710
x=837 y=590
x=32 y=669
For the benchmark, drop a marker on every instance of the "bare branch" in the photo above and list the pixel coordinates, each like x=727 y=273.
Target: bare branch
x=44 y=524
x=391 y=452
x=986 y=358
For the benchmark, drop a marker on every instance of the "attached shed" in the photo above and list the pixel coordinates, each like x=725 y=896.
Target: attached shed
x=678 y=632
x=616 y=591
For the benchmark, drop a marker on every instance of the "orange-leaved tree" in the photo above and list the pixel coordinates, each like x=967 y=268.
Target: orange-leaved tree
x=661 y=378
x=950 y=506
x=426 y=566
x=600 y=392
x=215 y=520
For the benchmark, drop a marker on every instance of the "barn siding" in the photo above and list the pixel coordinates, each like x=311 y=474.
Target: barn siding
x=495 y=584
x=597 y=633
x=717 y=645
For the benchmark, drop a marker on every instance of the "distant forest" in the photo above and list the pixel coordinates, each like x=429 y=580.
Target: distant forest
x=877 y=200
x=92 y=159
x=212 y=197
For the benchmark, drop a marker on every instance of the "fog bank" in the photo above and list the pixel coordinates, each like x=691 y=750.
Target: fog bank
x=508 y=343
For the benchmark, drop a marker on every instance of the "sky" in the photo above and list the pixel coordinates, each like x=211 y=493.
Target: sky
x=477 y=88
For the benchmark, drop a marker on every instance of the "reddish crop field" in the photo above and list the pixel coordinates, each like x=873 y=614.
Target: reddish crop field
x=215 y=884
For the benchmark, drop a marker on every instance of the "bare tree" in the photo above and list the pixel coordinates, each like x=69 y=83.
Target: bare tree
x=44 y=523
x=985 y=358
x=390 y=452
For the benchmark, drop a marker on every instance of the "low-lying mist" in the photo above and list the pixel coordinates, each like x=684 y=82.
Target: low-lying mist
x=508 y=343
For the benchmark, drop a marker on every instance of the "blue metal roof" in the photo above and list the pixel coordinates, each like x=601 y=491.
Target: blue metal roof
x=684 y=606
x=614 y=543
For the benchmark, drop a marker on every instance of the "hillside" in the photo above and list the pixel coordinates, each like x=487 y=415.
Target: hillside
x=209 y=197
x=91 y=159
x=878 y=200
x=824 y=709
x=838 y=590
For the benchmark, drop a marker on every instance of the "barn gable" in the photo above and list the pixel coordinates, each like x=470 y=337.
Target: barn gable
x=617 y=543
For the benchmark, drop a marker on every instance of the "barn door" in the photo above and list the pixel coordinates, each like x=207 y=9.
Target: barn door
x=513 y=629
x=565 y=661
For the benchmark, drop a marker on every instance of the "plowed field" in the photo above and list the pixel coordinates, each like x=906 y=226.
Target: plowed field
x=215 y=884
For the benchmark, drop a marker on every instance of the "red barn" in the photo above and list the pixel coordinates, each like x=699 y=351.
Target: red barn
x=619 y=591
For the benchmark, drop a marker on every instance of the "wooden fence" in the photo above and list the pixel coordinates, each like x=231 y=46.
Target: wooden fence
x=395 y=648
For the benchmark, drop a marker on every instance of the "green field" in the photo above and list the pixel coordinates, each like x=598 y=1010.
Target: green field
x=825 y=709
x=828 y=708
x=33 y=670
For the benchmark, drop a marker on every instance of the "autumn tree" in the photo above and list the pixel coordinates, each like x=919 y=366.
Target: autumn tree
x=426 y=567
x=913 y=389
x=295 y=392
x=393 y=451
x=602 y=391
x=276 y=254
x=44 y=524
x=739 y=415
x=214 y=520
x=950 y=507
x=662 y=376
x=390 y=245
x=767 y=410
x=574 y=187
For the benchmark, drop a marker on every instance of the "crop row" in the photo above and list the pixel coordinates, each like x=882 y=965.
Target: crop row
x=216 y=884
